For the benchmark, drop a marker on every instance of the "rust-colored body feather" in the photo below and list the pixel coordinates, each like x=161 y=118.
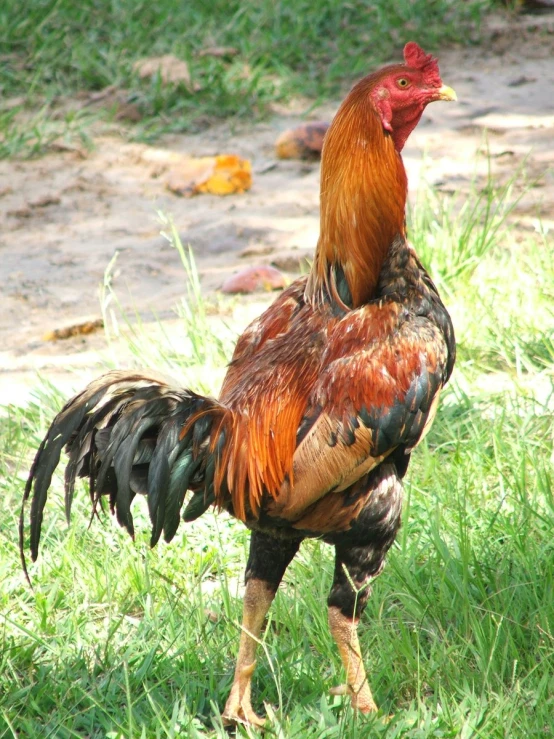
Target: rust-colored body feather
x=274 y=364
x=363 y=196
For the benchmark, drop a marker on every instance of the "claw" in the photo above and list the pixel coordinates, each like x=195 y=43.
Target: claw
x=238 y=709
x=242 y=714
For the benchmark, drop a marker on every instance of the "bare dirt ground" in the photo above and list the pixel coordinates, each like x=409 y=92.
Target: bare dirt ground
x=64 y=216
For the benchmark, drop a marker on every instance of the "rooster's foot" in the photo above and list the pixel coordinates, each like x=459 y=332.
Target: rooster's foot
x=238 y=709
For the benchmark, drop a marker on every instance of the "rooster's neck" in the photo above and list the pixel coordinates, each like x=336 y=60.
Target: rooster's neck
x=363 y=199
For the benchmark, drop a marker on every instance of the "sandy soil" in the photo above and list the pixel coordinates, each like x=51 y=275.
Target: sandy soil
x=64 y=216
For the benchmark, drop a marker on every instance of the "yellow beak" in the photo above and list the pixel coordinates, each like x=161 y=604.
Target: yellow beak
x=446 y=93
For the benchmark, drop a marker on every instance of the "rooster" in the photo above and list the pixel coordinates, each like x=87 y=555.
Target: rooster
x=327 y=394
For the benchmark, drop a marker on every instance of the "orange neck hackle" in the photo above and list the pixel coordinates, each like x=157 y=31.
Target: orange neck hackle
x=363 y=198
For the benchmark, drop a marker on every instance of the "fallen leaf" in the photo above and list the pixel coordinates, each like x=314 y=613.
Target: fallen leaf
x=265 y=167
x=225 y=174
x=256 y=250
x=171 y=70
x=97 y=96
x=24 y=212
x=77 y=329
x=113 y=97
x=523 y=80
x=60 y=145
x=128 y=112
x=219 y=51
x=254 y=279
x=302 y=142
x=45 y=201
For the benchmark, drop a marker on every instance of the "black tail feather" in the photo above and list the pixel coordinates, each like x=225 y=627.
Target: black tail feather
x=48 y=456
x=182 y=473
x=124 y=433
x=197 y=505
x=168 y=448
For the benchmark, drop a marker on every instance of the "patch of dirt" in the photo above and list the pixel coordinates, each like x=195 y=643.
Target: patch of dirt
x=64 y=217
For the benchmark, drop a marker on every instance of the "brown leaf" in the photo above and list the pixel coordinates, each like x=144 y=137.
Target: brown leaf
x=171 y=70
x=128 y=112
x=60 y=145
x=98 y=96
x=45 y=201
x=254 y=279
x=24 y=212
x=256 y=250
x=302 y=142
x=116 y=98
x=219 y=51
x=77 y=329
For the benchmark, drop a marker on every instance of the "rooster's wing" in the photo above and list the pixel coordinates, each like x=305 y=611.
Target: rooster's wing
x=377 y=392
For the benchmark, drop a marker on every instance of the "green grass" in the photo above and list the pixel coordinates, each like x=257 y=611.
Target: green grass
x=116 y=640
x=52 y=50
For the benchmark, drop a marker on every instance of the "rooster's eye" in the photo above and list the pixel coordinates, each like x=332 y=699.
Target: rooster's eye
x=402 y=82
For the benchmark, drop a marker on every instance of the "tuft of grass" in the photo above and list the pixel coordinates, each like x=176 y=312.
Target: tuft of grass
x=25 y=135
x=117 y=640
x=470 y=245
x=206 y=347
x=454 y=234
x=198 y=356
x=54 y=49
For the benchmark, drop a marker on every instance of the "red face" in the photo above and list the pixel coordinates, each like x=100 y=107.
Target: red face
x=400 y=96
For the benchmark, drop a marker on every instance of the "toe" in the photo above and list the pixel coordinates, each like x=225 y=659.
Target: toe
x=241 y=714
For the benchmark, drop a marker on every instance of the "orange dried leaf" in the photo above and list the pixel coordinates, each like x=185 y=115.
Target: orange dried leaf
x=77 y=329
x=225 y=174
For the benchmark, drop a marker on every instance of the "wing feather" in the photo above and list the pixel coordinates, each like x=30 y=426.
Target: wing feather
x=377 y=392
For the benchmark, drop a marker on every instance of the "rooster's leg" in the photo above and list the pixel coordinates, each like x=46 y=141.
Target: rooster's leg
x=267 y=562
x=354 y=567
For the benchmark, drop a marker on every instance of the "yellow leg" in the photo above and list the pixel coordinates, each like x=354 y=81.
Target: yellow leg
x=345 y=633
x=257 y=599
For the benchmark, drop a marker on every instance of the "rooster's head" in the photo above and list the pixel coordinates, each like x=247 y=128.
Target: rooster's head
x=400 y=92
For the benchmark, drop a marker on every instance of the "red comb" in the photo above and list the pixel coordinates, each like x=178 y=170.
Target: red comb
x=415 y=57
